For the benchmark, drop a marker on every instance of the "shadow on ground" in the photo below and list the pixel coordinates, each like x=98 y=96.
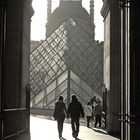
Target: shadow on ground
x=99 y=131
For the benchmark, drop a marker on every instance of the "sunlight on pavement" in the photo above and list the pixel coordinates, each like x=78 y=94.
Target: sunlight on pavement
x=44 y=129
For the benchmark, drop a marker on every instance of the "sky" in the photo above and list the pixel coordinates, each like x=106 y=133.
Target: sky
x=39 y=18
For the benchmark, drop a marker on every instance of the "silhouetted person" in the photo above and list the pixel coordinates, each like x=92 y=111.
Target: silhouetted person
x=98 y=113
x=75 y=111
x=88 y=112
x=59 y=114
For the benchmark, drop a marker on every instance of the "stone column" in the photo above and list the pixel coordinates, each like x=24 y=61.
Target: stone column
x=112 y=66
x=16 y=66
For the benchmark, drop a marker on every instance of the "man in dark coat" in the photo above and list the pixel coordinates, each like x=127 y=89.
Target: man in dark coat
x=75 y=111
x=59 y=114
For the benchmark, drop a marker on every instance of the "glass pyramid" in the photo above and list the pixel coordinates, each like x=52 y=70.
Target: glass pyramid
x=67 y=62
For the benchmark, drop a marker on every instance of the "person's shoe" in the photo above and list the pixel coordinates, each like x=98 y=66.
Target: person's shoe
x=73 y=134
x=76 y=135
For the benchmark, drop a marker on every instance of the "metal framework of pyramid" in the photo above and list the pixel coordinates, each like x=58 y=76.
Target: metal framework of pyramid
x=67 y=62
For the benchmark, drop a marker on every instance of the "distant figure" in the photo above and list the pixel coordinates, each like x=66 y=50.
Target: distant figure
x=75 y=111
x=88 y=112
x=93 y=100
x=93 y=104
x=59 y=114
x=98 y=113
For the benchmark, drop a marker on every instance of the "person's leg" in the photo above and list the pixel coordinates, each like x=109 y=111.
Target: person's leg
x=73 y=127
x=77 y=126
x=88 y=119
x=96 y=120
x=61 y=121
x=59 y=127
x=93 y=116
x=99 y=120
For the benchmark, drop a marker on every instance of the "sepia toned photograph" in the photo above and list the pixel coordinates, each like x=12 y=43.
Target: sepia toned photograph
x=69 y=70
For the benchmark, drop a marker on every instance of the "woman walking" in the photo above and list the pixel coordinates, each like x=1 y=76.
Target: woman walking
x=59 y=114
x=88 y=112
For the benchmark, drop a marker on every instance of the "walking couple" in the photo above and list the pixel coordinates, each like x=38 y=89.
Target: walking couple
x=74 y=111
